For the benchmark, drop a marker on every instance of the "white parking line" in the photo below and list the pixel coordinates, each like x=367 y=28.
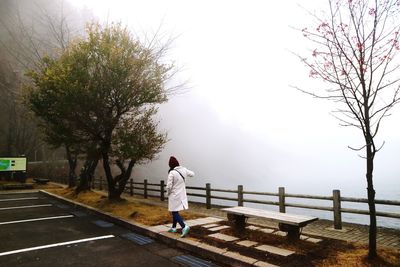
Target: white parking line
x=38 y=219
x=55 y=245
x=22 y=198
x=26 y=207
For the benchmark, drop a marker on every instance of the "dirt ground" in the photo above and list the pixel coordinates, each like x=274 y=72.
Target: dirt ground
x=328 y=252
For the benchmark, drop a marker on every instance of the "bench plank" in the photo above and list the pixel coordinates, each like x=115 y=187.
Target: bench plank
x=292 y=219
x=41 y=180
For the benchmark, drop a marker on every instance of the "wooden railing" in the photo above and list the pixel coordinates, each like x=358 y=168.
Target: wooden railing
x=240 y=196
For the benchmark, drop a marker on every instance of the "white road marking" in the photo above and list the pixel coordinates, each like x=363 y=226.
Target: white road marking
x=26 y=207
x=14 y=199
x=55 y=245
x=38 y=219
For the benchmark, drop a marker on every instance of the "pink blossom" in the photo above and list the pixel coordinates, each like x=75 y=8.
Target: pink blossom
x=304 y=31
x=396 y=44
x=371 y=11
x=313 y=73
x=327 y=65
x=322 y=25
x=314 y=53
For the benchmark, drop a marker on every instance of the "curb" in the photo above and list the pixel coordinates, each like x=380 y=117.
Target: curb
x=25 y=191
x=212 y=253
x=16 y=186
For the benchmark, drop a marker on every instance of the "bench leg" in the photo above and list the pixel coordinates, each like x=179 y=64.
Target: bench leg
x=292 y=230
x=238 y=221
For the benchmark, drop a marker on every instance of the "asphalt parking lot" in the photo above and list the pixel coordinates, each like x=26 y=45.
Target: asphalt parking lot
x=36 y=230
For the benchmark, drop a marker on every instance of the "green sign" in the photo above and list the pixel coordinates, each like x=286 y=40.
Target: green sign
x=12 y=164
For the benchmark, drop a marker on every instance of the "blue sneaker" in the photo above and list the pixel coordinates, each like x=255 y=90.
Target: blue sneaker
x=172 y=230
x=185 y=230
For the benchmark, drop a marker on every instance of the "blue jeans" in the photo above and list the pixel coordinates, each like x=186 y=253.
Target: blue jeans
x=176 y=218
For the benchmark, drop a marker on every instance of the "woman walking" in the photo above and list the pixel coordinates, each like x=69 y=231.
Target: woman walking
x=176 y=191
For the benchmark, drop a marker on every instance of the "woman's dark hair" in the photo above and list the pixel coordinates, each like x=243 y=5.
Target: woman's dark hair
x=173 y=162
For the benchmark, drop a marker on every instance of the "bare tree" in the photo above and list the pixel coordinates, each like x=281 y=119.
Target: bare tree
x=30 y=30
x=18 y=134
x=356 y=44
x=46 y=30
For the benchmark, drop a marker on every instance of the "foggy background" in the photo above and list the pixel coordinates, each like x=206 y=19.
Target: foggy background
x=241 y=121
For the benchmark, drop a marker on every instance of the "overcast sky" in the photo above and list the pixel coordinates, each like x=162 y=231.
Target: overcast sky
x=242 y=122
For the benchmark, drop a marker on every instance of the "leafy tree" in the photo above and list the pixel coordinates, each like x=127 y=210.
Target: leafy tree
x=105 y=88
x=136 y=140
x=357 y=42
x=48 y=103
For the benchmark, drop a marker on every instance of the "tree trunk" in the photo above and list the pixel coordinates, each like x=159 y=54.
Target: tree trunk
x=86 y=175
x=117 y=185
x=72 y=161
x=124 y=177
x=10 y=134
x=112 y=193
x=371 y=202
x=91 y=171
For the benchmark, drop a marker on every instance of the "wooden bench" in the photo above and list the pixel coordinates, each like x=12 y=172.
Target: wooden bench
x=290 y=223
x=41 y=180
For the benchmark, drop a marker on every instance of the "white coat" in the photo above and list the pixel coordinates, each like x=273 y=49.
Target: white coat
x=176 y=189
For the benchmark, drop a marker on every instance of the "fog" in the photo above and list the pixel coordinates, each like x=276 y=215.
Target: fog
x=241 y=121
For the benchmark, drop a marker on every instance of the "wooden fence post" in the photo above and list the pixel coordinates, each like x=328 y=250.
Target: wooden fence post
x=337 y=213
x=240 y=195
x=162 y=197
x=145 y=188
x=282 y=207
x=208 y=195
x=131 y=187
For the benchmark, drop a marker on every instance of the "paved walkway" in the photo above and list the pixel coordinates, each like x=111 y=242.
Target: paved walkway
x=323 y=228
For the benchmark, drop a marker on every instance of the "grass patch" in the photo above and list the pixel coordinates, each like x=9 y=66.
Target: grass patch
x=130 y=209
x=357 y=256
